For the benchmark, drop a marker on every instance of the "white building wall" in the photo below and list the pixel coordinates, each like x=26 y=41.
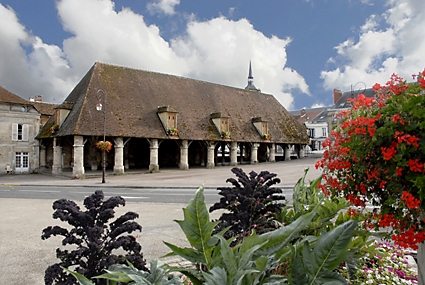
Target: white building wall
x=12 y=115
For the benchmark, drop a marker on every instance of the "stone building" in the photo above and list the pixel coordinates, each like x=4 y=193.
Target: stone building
x=157 y=120
x=19 y=124
x=316 y=122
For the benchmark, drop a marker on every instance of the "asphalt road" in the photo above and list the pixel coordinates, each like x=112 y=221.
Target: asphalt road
x=151 y=195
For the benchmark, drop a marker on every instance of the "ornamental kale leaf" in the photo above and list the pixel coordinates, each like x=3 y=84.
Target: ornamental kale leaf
x=95 y=240
x=251 y=204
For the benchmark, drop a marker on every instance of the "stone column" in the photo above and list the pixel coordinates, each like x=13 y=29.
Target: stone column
x=288 y=152
x=233 y=153
x=119 y=156
x=78 y=167
x=272 y=151
x=57 y=158
x=302 y=151
x=153 y=166
x=210 y=155
x=254 y=153
x=241 y=152
x=42 y=156
x=184 y=164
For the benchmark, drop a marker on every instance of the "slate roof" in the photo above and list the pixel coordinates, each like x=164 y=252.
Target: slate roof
x=47 y=109
x=314 y=115
x=8 y=97
x=343 y=101
x=133 y=98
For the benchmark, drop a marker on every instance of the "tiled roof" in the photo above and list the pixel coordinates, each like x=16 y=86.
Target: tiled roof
x=44 y=108
x=133 y=98
x=9 y=97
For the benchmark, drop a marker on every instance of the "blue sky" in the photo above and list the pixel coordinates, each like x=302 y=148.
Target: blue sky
x=300 y=49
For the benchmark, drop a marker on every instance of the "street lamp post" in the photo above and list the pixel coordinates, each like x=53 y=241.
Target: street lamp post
x=101 y=107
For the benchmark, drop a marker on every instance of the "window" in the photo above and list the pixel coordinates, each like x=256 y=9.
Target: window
x=224 y=124
x=311 y=133
x=20 y=132
x=324 y=132
x=22 y=160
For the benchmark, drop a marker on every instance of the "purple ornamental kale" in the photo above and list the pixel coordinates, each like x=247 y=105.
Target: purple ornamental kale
x=93 y=240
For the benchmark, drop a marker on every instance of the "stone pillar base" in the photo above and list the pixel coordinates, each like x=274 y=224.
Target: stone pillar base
x=184 y=166
x=210 y=165
x=119 y=170
x=153 y=168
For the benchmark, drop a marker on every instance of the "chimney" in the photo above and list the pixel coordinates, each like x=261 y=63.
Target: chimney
x=337 y=95
x=32 y=99
x=38 y=98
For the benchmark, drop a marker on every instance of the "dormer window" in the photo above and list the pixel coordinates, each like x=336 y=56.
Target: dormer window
x=168 y=118
x=61 y=112
x=222 y=124
x=262 y=127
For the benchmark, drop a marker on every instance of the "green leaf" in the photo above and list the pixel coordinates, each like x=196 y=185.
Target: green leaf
x=189 y=254
x=216 y=276
x=330 y=250
x=308 y=259
x=198 y=228
x=228 y=258
x=115 y=276
x=261 y=263
x=279 y=238
x=80 y=277
x=298 y=276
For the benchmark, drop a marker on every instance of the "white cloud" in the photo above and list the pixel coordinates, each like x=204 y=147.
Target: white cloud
x=163 y=6
x=318 y=105
x=397 y=47
x=217 y=50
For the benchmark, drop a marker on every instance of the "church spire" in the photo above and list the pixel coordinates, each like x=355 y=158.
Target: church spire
x=251 y=85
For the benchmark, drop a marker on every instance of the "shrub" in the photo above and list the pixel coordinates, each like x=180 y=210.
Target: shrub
x=250 y=204
x=95 y=239
x=377 y=155
x=256 y=259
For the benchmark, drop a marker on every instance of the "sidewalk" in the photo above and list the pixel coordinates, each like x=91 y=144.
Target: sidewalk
x=25 y=256
x=288 y=171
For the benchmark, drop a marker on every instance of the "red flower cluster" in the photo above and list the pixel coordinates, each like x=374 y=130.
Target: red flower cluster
x=389 y=152
x=375 y=151
x=406 y=138
x=411 y=201
x=409 y=238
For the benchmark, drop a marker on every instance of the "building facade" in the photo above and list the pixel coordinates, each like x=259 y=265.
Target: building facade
x=19 y=124
x=157 y=120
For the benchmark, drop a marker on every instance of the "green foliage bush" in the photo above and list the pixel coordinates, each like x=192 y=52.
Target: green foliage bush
x=316 y=238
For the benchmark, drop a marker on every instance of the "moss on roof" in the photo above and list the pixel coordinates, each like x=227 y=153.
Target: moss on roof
x=133 y=97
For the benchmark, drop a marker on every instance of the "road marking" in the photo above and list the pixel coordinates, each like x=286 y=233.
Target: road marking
x=40 y=191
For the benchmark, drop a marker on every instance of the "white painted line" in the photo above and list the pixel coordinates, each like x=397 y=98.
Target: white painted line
x=40 y=191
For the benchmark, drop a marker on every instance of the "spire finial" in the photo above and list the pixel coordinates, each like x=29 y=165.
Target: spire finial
x=250 y=71
x=251 y=85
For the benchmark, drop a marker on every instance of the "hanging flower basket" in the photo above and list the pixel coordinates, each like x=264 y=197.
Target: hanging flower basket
x=266 y=137
x=172 y=132
x=104 y=145
x=54 y=128
x=225 y=134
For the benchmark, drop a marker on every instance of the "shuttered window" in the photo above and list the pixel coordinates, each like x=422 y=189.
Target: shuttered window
x=19 y=132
